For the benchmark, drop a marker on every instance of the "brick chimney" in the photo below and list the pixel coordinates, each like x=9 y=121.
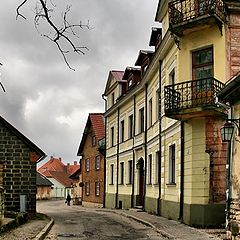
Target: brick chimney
x=60 y=159
x=75 y=162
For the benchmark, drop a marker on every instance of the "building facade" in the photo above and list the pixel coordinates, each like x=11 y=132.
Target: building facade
x=18 y=160
x=91 y=150
x=230 y=95
x=163 y=144
x=44 y=187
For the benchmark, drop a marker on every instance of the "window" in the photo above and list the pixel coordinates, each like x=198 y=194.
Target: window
x=113 y=98
x=141 y=119
x=130 y=81
x=172 y=164
x=87 y=188
x=150 y=112
x=122 y=173
x=111 y=174
x=202 y=68
x=122 y=131
x=94 y=140
x=172 y=77
x=112 y=136
x=97 y=188
x=98 y=162
x=150 y=169
x=130 y=126
x=157 y=159
x=157 y=104
x=87 y=165
x=130 y=171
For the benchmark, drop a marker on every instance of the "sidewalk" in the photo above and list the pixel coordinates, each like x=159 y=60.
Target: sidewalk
x=173 y=229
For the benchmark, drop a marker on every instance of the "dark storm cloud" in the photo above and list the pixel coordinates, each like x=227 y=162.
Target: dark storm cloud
x=45 y=100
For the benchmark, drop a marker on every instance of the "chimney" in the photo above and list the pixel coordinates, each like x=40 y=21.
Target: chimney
x=60 y=159
x=68 y=164
x=75 y=162
x=51 y=157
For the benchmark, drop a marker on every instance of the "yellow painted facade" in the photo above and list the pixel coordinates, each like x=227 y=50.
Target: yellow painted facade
x=188 y=180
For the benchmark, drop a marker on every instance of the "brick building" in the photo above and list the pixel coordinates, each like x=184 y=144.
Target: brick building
x=91 y=150
x=18 y=158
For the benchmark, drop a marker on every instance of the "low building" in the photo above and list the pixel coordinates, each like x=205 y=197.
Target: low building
x=18 y=159
x=58 y=173
x=44 y=187
x=76 y=177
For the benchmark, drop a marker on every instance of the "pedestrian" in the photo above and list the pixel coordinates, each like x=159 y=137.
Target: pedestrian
x=68 y=199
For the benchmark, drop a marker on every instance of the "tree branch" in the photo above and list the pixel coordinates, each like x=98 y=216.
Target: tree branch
x=65 y=33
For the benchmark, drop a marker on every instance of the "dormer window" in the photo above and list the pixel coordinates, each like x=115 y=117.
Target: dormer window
x=145 y=67
x=130 y=83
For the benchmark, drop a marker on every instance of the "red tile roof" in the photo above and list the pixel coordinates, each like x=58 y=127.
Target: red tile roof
x=97 y=121
x=117 y=74
x=56 y=165
x=72 y=168
x=62 y=177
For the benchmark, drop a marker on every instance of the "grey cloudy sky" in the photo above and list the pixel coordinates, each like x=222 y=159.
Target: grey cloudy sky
x=44 y=99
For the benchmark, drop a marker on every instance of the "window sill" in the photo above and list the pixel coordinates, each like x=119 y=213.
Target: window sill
x=171 y=184
x=155 y=184
x=149 y=184
x=111 y=184
x=129 y=184
x=121 y=184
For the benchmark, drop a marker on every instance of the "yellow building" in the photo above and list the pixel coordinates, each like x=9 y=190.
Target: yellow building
x=167 y=101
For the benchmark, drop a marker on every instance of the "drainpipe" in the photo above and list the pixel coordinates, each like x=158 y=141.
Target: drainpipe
x=145 y=147
x=116 y=200
x=133 y=165
x=160 y=139
x=182 y=174
x=104 y=168
x=229 y=171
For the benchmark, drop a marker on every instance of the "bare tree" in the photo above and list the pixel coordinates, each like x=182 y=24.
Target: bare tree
x=64 y=35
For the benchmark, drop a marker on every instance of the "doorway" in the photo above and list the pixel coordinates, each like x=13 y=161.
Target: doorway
x=140 y=167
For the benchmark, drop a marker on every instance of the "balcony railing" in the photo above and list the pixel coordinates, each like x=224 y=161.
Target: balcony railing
x=183 y=11
x=191 y=94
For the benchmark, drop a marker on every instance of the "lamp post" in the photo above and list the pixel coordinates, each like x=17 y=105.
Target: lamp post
x=227 y=129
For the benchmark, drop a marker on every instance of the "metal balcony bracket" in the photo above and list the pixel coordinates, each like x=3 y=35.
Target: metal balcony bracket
x=220 y=27
x=176 y=40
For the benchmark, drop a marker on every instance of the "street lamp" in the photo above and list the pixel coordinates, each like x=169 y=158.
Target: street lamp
x=228 y=129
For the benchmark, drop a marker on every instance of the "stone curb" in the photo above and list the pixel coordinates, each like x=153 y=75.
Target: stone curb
x=44 y=231
x=146 y=223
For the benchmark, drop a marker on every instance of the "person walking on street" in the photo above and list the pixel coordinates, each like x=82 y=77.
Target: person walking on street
x=68 y=199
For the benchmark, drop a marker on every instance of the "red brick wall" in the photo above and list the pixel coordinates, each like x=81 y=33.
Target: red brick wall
x=217 y=152
x=233 y=44
x=90 y=152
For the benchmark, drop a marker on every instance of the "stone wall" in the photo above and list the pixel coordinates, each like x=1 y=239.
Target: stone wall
x=218 y=157
x=19 y=172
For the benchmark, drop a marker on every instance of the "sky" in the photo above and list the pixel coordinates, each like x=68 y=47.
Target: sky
x=44 y=99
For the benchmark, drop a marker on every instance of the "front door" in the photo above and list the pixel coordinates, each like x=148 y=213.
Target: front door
x=141 y=181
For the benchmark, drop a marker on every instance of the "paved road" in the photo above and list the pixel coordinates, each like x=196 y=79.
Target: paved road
x=77 y=222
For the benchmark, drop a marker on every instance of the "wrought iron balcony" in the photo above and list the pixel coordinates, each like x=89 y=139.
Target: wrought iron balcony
x=192 y=99
x=185 y=14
